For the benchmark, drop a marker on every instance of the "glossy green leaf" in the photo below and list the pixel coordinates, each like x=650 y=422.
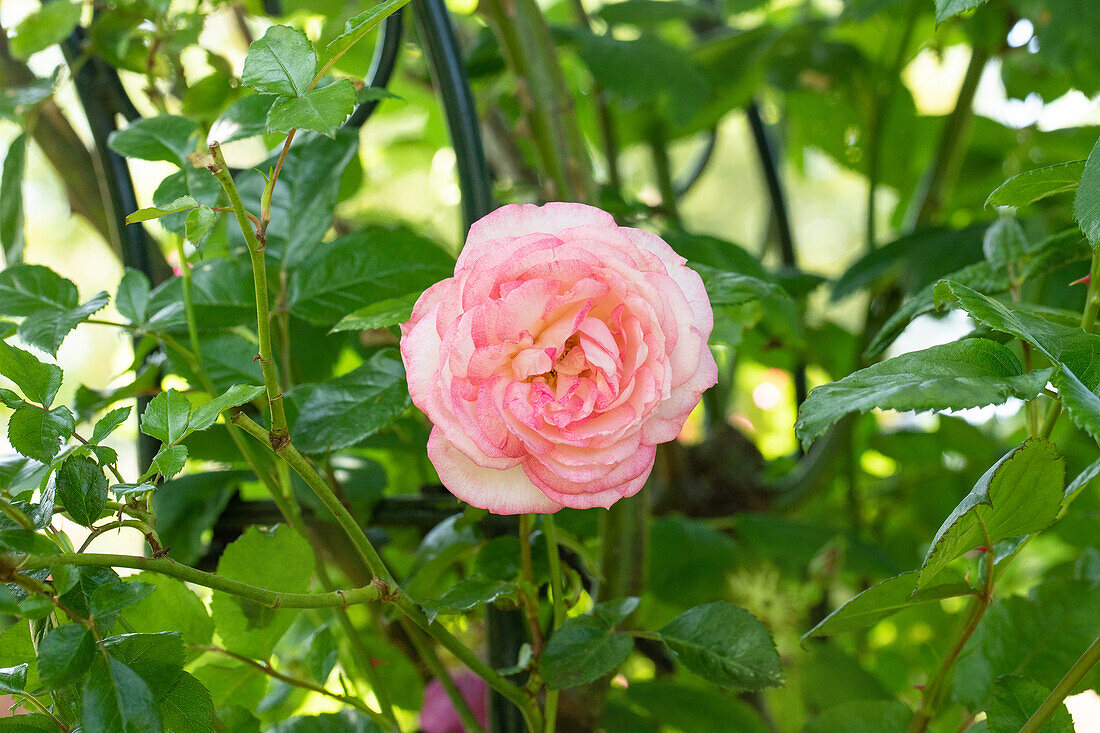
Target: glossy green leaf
x=885 y=599
x=283 y=62
x=950 y=8
x=367 y=267
x=13 y=679
x=322 y=655
x=11 y=201
x=1069 y=345
x=157 y=658
x=199 y=223
x=116 y=700
x=39 y=434
x=1004 y=242
x=110 y=598
x=245 y=118
x=360 y=25
x=132 y=300
x=167 y=137
x=50 y=24
x=344 y=411
x=37 y=381
x=183 y=203
x=468 y=594
x=108 y=423
x=382 y=314
x=206 y=414
x=82 y=488
x=582 y=650
x=725 y=645
x=968 y=373
x=167 y=462
x=1015 y=698
x=1081 y=403
x=187 y=706
x=1019 y=494
x=246 y=626
x=49 y=303
x=321 y=110
x=1086 y=204
x=166 y=417
x=1035 y=185
x=64 y=655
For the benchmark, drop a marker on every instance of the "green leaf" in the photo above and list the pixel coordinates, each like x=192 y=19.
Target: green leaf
x=885 y=599
x=382 y=314
x=246 y=626
x=1015 y=698
x=1035 y=185
x=11 y=201
x=283 y=62
x=64 y=655
x=157 y=658
x=49 y=303
x=968 y=373
x=360 y=25
x=340 y=413
x=348 y=721
x=108 y=423
x=322 y=654
x=613 y=613
x=582 y=650
x=678 y=706
x=167 y=137
x=206 y=414
x=321 y=110
x=39 y=382
x=863 y=716
x=38 y=434
x=199 y=223
x=1004 y=242
x=110 y=598
x=166 y=417
x=172 y=606
x=10 y=399
x=183 y=203
x=116 y=700
x=167 y=462
x=950 y=8
x=245 y=118
x=82 y=488
x=1086 y=204
x=1068 y=345
x=28 y=723
x=1082 y=403
x=735 y=288
x=13 y=679
x=47 y=330
x=725 y=645
x=187 y=706
x=52 y=23
x=132 y=300
x=366 y=267
x=467 y=594
x=232 y=683
x=1021 y=493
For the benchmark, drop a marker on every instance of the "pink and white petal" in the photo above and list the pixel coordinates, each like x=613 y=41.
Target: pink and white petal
x=601 y=498
x=499 y=491
x=668 y=419
x=517 y=220
x=689 y=281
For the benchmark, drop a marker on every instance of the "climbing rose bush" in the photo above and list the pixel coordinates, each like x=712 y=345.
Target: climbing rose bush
x=562 y=352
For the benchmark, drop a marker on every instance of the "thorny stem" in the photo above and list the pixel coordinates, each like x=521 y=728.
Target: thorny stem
x=550 y=531
x=1065 y=686
x=267 y=669
x=165 y=566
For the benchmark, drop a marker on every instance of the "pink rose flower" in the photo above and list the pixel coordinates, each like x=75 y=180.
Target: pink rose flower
x=438 y=714
x=562 y=352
